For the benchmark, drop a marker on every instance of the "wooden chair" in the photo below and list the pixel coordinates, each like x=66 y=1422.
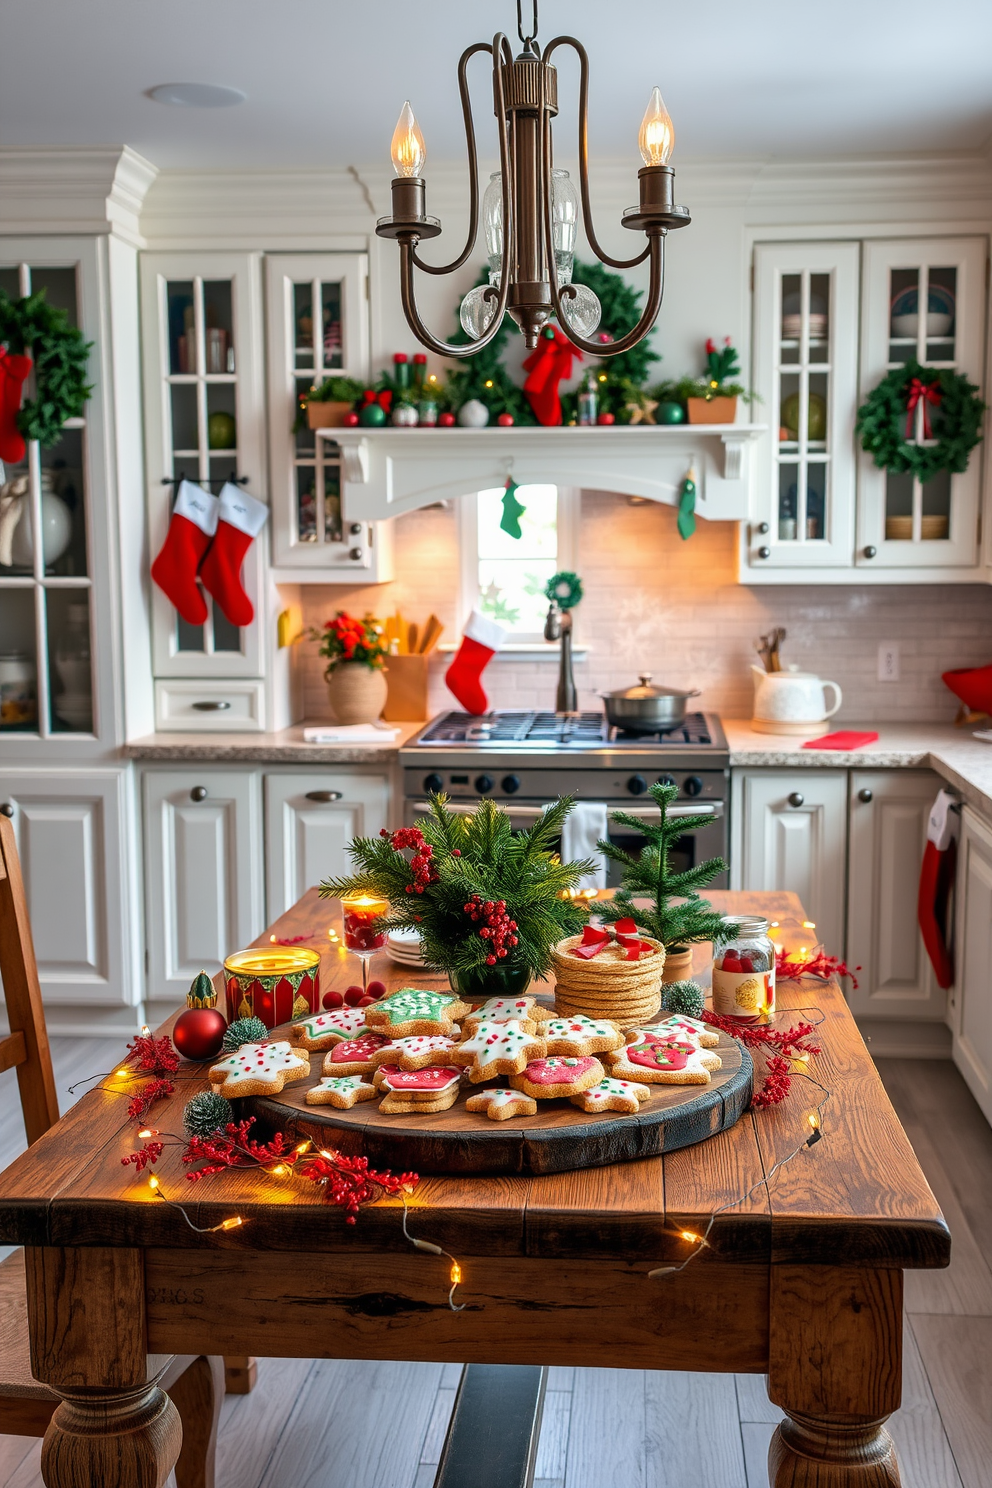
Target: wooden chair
x=196 y=1385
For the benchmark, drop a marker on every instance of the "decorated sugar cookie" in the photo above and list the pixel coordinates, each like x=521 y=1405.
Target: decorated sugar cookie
x=581 y=1035
x=613 y=1095
x=659 y=1062
x=325 y=1029
x=500 y=1105
x=681 y=1023
x=412 y=1011
x=497 y=1049
x=342 y=1091
x=416 y=1052
x=354 y=1056
x=526 y=1010
x=560 y=1075
x=259 y=1069
x=417 y=1092
x=654 y=1033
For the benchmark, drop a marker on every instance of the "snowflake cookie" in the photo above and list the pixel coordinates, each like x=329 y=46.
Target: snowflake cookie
x=613 y=1095
x=354 y=1056
x=500 y=1105
x=325 y=1029
x=342 y=1091
x=661 y=1062
x=417 y=1092
x=526 y=1010
x=497 y=1049
x=549 y=1079
x=411 y=1011
x=416 y=1052
x=581 y=1035
x=259 y=1069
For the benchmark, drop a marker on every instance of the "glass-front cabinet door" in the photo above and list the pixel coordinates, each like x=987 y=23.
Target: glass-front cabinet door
x=204 y=422
x=805 y=355
x=904 y=523
x=317 y=309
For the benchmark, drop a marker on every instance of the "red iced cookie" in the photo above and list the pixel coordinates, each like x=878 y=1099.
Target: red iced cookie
x=433 y=1080
x=658 y=1054
x=351 y=1050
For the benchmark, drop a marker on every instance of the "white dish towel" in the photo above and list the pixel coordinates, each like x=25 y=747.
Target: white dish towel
x=585 y=824
x=349 y=733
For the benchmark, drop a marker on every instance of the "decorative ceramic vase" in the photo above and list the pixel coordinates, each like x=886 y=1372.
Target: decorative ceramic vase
x=56 y=527
x=327 y=415
x=678 y=964
x=274 y=983
x=490 y=981
x=608 y=985
x=357 y=693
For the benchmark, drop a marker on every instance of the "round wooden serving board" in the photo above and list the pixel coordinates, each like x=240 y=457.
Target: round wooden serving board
x=558 y=1138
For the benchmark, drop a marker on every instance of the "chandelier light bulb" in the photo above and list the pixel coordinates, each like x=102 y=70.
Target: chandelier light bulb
x=656 y=139
x=408 y=149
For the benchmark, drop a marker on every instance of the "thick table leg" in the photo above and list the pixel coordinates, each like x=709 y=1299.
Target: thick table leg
x=835 y=1368
x=114 y=1426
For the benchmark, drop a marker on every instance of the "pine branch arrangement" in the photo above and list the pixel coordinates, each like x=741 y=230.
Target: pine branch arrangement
x=650 y=877
x=468 y=875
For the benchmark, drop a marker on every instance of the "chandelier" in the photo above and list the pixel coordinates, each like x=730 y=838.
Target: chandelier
x=530 y=209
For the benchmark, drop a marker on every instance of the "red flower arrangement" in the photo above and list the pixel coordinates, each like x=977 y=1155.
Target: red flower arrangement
x=346 y=638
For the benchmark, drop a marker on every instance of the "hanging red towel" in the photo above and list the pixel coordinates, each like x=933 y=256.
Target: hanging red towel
x=937 y=883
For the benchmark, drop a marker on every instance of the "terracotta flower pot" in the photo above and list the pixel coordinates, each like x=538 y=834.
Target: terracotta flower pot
x=711 y=410
x=678 y=965
x=357 y=693
x=327 y=415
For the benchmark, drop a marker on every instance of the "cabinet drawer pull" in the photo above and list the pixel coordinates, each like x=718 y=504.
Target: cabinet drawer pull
x=765 y=552
x=866 y=795
x=7 y=809
x=198 y=793
x=797 y=798
x=211 y=707
x=325 y=797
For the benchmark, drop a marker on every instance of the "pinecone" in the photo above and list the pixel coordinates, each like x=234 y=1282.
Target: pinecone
x=684 y=998
x=205 y=1114
x=244 y=1031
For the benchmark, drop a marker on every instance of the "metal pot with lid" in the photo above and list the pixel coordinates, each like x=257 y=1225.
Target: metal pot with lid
x=646 y=708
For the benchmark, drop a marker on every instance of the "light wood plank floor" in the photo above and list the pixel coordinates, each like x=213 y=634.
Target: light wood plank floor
x=317 y=1424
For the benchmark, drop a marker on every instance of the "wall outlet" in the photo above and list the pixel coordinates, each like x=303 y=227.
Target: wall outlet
x=888 y=661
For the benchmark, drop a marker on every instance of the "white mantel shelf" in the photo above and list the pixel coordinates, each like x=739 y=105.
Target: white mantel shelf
x=389 y=471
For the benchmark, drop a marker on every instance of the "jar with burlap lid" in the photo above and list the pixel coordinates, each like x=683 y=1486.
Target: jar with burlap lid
x=608 y=985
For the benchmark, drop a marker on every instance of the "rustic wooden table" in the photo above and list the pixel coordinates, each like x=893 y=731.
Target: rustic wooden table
x=802 y=1282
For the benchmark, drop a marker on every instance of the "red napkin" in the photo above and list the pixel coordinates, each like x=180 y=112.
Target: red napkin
x=842 y=739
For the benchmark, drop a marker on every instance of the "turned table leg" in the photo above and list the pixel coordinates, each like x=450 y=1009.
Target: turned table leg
x=114 y=1426
x=835 y=1368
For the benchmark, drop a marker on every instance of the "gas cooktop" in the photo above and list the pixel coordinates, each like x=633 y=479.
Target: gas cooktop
x=571 y=732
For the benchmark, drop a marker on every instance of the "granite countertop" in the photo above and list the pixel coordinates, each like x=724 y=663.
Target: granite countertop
x=287 y=747
x=955 y=754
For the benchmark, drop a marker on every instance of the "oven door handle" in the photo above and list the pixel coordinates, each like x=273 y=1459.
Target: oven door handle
x=712 y=809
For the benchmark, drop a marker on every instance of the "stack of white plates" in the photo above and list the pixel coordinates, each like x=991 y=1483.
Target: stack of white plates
x=404 y=946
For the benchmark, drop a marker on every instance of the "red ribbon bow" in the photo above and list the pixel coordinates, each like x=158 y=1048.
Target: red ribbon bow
x=546 y=367
x=593 y=941
x=384 y=399
x=921 y=392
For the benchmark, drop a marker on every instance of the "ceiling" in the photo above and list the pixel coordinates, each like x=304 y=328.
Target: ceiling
x=325 y=80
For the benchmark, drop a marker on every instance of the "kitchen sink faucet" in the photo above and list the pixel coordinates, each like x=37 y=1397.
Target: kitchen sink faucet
x=558 y=627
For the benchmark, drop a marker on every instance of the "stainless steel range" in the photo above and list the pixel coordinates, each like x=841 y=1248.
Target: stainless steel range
x=524 y=760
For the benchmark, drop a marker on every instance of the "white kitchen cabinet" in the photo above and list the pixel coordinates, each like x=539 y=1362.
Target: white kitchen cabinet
x=789 y=831
x=74 y=833
x=887 y=832
x=309 y=821
x=901 y=523
x=971 y=1001
x=203 y=872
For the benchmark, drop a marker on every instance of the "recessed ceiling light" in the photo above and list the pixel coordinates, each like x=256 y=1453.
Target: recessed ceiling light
x=196 y=95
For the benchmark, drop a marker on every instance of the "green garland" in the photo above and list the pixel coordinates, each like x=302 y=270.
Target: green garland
x=956 y=422
x=32 y=327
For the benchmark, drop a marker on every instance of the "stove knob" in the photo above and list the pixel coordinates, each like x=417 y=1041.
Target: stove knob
x=637 y=785
x=692 y=785
x=510 y=784
x=667 y=780
x=484 y=784
x=433 y=784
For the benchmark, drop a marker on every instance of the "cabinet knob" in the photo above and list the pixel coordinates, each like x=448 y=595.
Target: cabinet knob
x=866 y=795
x=355 y=554
x=198 y=793
x=210 y=707
x=796 y=798
x=325 y=797
x=764 y=552
x=355 y=529
x=7 y=809
x=870 y=551
x=763 y=528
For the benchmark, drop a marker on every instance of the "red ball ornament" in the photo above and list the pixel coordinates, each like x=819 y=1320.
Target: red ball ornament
x=504 y=420
x=353 y=996
x=445 y=420
x=605 y=418
x=350 y=419
x=199 y=1033
x=375 y=989
x=331 y=1000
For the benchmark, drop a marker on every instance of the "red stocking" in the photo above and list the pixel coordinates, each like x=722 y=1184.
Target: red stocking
x=241 y=520
x=937 y=883
x=481 y=638
x=194 y=522
x=546 y=367
x=13 y=372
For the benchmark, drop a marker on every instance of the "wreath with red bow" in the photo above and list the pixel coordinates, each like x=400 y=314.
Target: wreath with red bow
x=951 y=423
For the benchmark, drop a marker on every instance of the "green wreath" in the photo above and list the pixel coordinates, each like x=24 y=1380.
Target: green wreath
x=955 y=422
x=32 y=327
x=564 y=589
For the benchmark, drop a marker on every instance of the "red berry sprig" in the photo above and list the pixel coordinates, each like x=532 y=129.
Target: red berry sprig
x=420 y=864
x=350 y=1182
x=497 y=927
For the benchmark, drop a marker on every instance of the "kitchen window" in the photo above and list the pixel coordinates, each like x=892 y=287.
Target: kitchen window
x=505 y=576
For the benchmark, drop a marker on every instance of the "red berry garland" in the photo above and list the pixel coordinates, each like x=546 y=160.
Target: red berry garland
x=497 y=928
x=786 y=1042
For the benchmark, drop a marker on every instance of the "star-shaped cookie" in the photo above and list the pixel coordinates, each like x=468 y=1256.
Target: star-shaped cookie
x=325 y=1029
x=500 y=1105
x=581 y=1035
x=342 y=1091
x=612 y=1095
x=259 y=1069
x=497 y=1049
x=413 y=1010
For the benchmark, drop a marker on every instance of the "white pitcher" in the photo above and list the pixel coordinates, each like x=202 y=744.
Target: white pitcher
x=791 y=702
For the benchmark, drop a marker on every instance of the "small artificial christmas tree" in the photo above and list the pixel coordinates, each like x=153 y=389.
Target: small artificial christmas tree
x=676 y=925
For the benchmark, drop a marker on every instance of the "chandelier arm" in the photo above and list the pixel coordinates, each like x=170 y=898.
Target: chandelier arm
x=594 y=243
x=473 y=167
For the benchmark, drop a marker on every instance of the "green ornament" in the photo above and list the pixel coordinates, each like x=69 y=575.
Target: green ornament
x=372 y=416
x=222 y=431
x=683 y=998
x=686 y=521
x=512 y=510
x=201 y=993
x=244 y=1031
x=206 y=1114
x=669 y=413
x=564 y=589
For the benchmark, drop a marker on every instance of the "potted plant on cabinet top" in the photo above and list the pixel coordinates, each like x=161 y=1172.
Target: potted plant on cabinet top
x=712 y=398
x=675 y=915
x=355 y=671
x=488 y=903
x=328 y=404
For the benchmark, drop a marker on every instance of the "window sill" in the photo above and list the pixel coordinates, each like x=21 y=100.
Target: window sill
x=526 y=651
